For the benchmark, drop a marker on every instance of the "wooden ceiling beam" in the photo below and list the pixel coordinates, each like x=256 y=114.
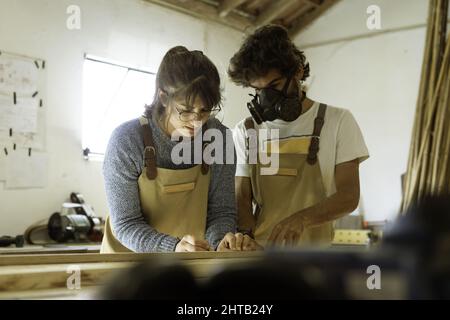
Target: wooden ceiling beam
x=273 y=11
x=202 y=10
x=312 y=3
x=303 y=22
x=288 y=19
x=228 y=5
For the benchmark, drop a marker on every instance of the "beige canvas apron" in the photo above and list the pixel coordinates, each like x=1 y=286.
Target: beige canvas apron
x=297 y=185
x=173 y=202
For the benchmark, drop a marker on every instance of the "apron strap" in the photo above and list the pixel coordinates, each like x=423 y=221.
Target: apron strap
x=205 y=166
x=318 y=125
x=149 y=151
x=249 y=124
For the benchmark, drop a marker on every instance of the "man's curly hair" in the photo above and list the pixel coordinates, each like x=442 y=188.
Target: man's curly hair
x=269 y=47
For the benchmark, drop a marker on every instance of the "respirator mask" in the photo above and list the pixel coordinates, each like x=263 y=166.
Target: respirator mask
x=271 y=104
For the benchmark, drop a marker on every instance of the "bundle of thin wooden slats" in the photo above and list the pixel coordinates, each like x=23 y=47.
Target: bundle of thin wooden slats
x=428 y=170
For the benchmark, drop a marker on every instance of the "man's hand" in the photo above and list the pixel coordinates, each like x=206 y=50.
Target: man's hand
x=189 y=244
x=341 y=203
x=288 y=231
x=247 y=243
x=238 y=242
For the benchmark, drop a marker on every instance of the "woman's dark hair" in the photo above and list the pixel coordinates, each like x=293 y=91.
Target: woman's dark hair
x=186 y=75
x=269 y=47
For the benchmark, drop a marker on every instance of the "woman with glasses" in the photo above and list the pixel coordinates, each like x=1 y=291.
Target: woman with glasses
x=155 y=204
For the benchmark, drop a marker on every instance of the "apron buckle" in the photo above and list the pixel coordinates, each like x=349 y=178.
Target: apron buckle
x=313 y=150
x=149 y=153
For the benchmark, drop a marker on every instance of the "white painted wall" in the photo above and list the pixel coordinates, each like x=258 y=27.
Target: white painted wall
x=377 y=78
x=129 y=31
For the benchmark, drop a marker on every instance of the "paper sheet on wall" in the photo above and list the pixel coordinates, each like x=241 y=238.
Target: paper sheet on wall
x=18 y=75
x=23 y=171
x=24 y=76
x=20 y=117
x=26 y=139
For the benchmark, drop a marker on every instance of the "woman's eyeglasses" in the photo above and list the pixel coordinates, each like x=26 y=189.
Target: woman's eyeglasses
x=186 y=116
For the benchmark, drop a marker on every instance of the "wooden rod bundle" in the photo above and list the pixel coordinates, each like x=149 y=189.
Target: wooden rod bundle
x=428 y=171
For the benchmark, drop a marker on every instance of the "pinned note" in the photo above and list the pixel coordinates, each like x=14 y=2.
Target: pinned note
x=18 y=75
x=20 y=117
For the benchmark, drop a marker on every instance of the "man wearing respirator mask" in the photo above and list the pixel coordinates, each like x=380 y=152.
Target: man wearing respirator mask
x=320 y=148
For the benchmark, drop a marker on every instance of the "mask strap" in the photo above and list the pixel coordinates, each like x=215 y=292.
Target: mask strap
x=286 y=85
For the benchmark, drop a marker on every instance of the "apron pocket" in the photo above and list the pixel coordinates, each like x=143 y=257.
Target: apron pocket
x=290 y=172
x=179 y=187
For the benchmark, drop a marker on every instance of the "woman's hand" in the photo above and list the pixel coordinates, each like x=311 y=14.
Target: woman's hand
x=238 y=242
x=189 y=244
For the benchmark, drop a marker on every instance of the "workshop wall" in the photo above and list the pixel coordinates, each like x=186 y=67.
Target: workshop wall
x=377 y=78
x=129 y=31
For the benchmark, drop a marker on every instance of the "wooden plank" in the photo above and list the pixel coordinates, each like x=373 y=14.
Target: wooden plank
x=42 y=277
x=35 y=259
x=50 y=294
x=204 y=268
x=51 y=250
x=273 y=11
x=202 y=10
x=303 y=22
x=25 y=278
x=228 y=5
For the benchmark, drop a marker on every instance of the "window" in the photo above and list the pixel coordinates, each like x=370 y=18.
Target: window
x=112 y=94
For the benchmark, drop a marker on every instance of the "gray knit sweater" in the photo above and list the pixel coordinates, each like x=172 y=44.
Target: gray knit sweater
x=122 y=167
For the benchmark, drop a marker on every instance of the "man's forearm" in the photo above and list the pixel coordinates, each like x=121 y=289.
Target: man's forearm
x=332 y=208
x=246 y=219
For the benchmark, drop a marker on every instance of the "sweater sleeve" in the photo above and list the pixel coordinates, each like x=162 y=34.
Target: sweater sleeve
x=221 y=216
x=121 y=170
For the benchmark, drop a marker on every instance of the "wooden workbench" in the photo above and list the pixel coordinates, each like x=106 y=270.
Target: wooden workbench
x=44 y=276
x=51 y=249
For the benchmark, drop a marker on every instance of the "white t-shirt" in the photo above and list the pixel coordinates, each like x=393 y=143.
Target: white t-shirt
x=341 y=140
